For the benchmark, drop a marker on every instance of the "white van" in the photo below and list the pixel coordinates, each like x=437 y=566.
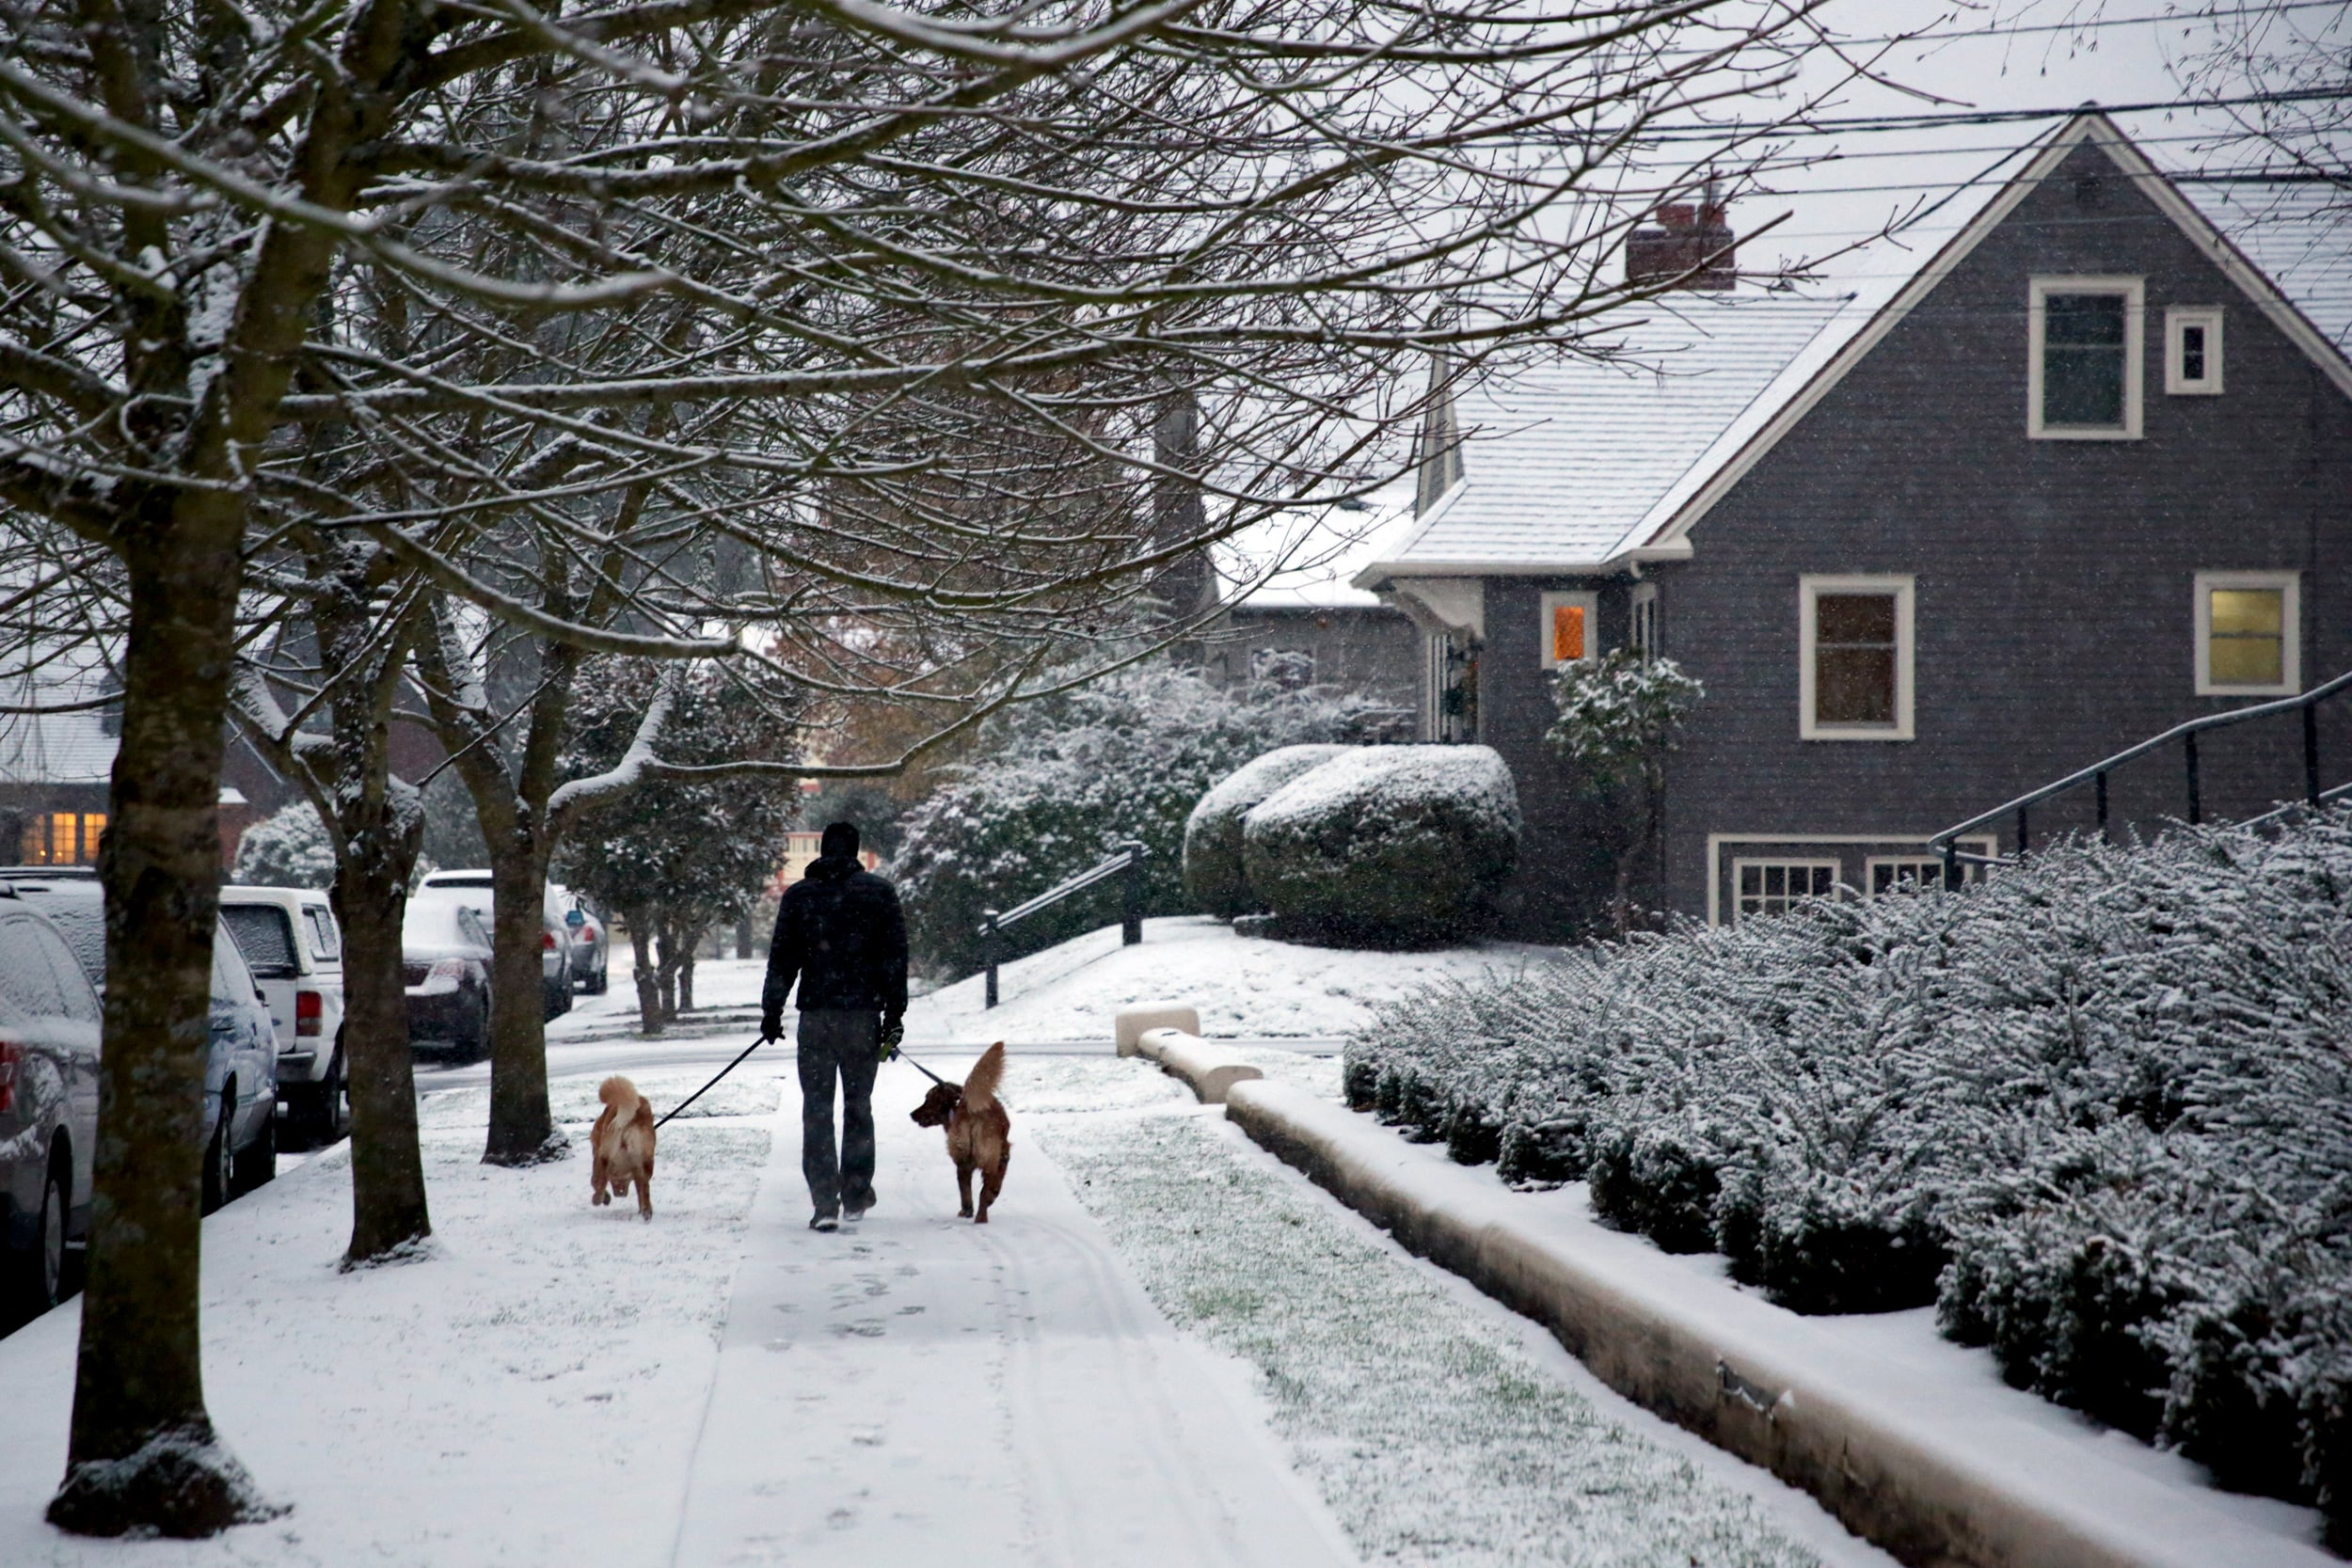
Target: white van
x=296 y=950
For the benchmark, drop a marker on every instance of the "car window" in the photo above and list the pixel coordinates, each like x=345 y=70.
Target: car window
x=231 y=981
x=80 y=916
x=264 y=936
x=326 y=942
x=25 y=979
x=471 y=924
x=81 y=1003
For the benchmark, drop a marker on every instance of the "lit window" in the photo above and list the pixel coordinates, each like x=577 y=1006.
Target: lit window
x=2249 y=640
x=1568 y=629
x=62 y=838
x=2192 y=351
x=1855 y=681
x=1771 y=887
x=2082 y=372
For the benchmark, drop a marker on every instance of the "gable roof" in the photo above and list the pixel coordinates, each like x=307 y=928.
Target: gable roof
x=1573 y=452
x=1560 y=460
x=68 y=748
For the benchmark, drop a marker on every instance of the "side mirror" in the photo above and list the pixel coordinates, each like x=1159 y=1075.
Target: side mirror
x=575 y=919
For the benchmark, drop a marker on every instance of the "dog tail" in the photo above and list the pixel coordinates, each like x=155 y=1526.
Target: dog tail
x=980 y=1089
x=619 y=1093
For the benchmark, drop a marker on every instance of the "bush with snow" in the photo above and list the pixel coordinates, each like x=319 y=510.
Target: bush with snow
x=2098 y=1110
x=1387 y=844
x=1215 y=879
x=287 y=848
x=1057 y=786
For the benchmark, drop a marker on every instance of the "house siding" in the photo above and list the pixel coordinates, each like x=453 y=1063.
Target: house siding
x=2054 y=579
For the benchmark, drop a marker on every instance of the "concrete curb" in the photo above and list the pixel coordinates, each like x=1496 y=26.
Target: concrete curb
x=1211 y=1071
x=1867 y=1437
x=1128 y=1023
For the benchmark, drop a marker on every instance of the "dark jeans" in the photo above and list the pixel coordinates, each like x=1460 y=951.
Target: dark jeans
x=844 y=1042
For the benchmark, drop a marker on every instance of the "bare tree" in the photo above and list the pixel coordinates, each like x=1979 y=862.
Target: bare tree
x=839 y=243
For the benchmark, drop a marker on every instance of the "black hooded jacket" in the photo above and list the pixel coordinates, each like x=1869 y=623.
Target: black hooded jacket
x=841 y=935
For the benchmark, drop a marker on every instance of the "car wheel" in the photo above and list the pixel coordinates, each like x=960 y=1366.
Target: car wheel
x=597 y=981
x=40 y=1284
x=556 y=1000
x=219 y=1164
x=256 y=1163
x=325 y=1114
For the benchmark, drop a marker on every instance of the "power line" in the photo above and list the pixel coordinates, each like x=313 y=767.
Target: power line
x=1929 y=120
x=2037 y=28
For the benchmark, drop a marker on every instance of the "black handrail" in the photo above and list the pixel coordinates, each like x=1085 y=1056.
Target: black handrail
x=2185 y=733
x=1129 y=861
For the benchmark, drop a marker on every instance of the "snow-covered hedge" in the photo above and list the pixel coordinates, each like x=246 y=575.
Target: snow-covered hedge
x=2098 y=1110
x=1386 y=843
x=287 y=848
x=1215 y=879
x=1057 y=786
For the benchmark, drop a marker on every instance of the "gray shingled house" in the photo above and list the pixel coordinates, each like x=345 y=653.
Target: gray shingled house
x=2081 y=473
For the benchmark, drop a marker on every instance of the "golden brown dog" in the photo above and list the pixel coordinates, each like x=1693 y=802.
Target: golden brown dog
x=979 y=1133
x=623 y=1142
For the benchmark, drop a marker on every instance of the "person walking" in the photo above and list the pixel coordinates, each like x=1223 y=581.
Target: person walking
x=840 y=933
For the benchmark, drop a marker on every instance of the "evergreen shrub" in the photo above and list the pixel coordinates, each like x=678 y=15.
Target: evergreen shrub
x=2097 y=1110
x=1386 y=844
x=1214 y=880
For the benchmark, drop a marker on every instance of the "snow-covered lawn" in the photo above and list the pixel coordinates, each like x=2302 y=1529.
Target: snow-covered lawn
x=1438 y=1427
x=1246 y=987
x=526 y=1395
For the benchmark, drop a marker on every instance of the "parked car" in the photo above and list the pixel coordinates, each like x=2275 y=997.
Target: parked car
x=296 y=950
x=592 y=941
x=472 y=888
x=49 y=1029
x=241 y=1067
x=445 y=958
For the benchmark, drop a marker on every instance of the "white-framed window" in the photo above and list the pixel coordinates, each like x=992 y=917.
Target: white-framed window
x=1909 y=873
x=1854 y=658
x=2248 y=634
x=2083 y=360
x=1643 y=621
x=1760 y=887
x=1570 y=628
x=2192 y=351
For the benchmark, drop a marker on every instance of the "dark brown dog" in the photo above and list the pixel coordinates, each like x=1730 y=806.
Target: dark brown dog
x=979 y=1133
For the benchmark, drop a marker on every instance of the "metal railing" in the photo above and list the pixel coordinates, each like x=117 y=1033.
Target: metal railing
x=1128 y=862
x=2307 y=703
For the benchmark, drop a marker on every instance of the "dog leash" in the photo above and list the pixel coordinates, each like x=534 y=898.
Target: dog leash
x=714 y=1083
x=763 y=1040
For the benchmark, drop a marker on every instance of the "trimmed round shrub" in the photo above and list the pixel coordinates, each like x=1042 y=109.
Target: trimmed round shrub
x=1387 y=844
x=1213 y=879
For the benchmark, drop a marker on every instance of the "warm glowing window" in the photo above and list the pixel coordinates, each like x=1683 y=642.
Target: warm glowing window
x=1569 y=632
x=2247 y=641
x=62 y=838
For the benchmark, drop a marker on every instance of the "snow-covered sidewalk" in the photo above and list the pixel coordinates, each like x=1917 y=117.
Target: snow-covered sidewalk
x=916 y=1386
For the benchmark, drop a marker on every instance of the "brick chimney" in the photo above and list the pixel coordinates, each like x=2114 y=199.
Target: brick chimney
x=1693 y=238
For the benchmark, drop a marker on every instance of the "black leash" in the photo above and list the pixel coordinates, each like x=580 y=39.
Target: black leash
x=763 y=1040
x=707 y=1087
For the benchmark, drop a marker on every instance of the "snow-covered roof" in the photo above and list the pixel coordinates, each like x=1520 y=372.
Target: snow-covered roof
x=54 y=748
x=1305 y=559
x=1562 y=460
x=1580 y=465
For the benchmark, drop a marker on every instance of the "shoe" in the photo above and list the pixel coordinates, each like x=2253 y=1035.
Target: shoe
x=824 y=1222
x=854 y=1212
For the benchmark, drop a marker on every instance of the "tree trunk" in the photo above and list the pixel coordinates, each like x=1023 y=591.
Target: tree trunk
x=143 y=1456
x=522 y=1133
x=387 y=1202
x=648 y=983
x=686 y=974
